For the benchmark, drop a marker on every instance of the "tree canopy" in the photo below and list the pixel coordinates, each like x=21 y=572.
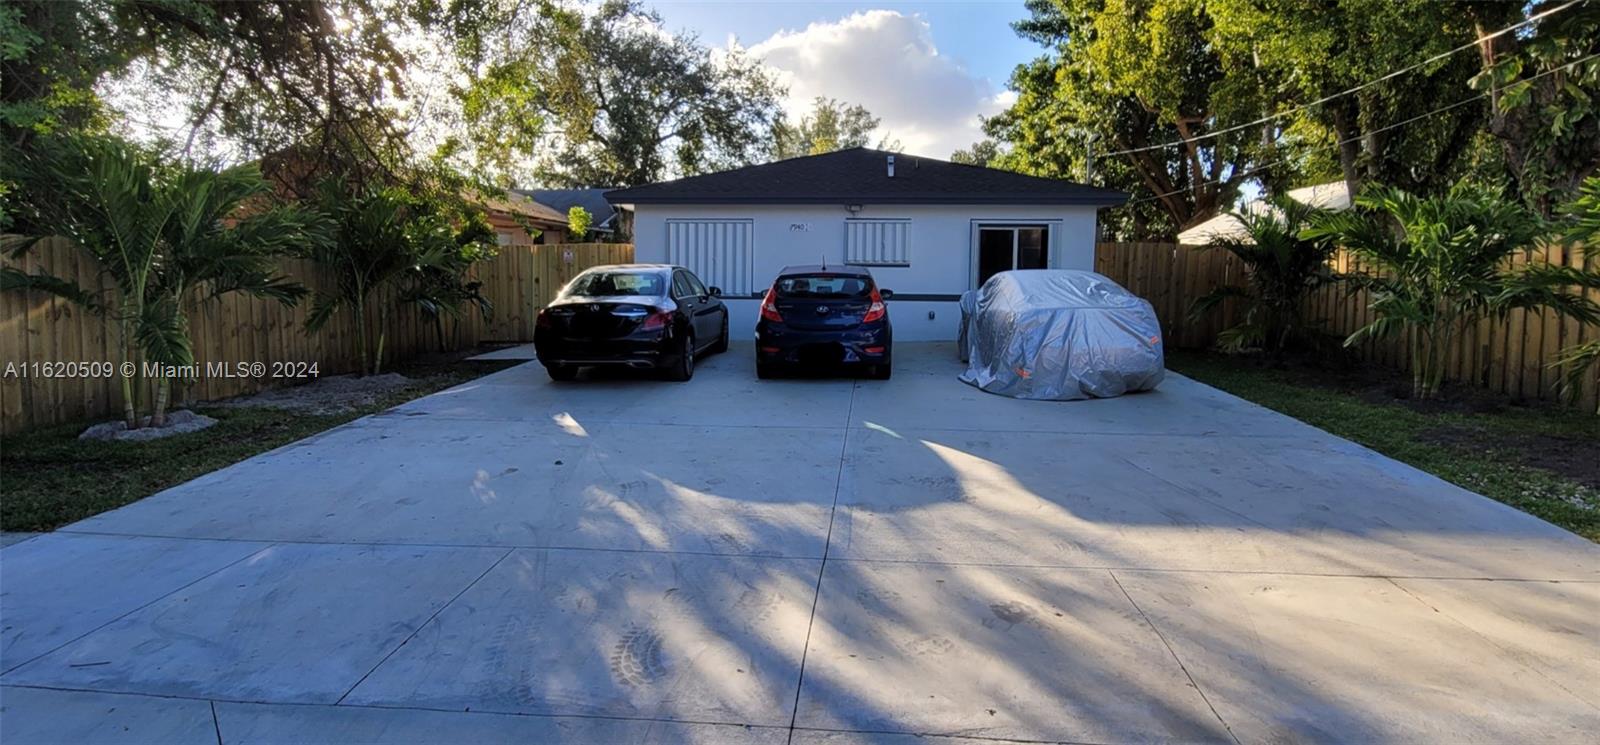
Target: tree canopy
x=608 y=97
x=830 y=126
x=1186 y=102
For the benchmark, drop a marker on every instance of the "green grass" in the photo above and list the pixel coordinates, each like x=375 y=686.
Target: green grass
x=1499 y=450
x=49 y=478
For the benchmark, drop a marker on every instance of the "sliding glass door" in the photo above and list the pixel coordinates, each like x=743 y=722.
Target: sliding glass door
x=1005 y=247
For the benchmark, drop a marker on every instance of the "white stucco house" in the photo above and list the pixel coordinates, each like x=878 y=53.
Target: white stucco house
x=927 y=229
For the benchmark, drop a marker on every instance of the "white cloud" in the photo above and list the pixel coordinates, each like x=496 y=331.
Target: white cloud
x=886 y=61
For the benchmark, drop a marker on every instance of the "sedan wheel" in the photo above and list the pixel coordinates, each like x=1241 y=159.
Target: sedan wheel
x=722 y=341
x=684 y=369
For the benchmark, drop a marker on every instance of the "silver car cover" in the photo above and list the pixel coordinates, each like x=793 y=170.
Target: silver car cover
x=1062 y=335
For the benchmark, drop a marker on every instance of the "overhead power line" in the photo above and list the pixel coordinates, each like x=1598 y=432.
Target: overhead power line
x=1385 y=128
x=1263 y=120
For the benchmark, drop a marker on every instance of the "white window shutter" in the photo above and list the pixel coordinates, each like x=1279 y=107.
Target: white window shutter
x=719 y=252
x=875 y=242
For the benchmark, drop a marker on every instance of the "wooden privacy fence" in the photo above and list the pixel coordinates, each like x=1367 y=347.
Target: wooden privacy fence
x=522 y=281
x=36 y=328
x=1510 y=356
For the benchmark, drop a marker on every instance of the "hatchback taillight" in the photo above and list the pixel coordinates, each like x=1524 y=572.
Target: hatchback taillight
x=769 y=306
x=876 y=311
x=543 y=320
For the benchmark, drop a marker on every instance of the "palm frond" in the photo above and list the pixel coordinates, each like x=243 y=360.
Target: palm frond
x=162 y=332
x=1209 y=301
x=322 y=310
x=1578 y=362
x=15 y=280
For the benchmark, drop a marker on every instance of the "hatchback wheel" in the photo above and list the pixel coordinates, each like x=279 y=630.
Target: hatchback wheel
x=562 y=372
x=881 y=371
x=684 y=369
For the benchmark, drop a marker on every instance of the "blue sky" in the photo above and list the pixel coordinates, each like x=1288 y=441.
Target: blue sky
x=929 y=70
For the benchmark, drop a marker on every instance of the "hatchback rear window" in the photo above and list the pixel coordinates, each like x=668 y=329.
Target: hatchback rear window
x=602 y=284
x=824 y=286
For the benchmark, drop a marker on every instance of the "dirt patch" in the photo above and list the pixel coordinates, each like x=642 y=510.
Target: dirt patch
x=335 y=394
x=178 y=422
x=1577 y=459
x=1374 y=384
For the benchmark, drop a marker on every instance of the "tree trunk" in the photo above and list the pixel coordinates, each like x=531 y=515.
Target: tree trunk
x=130 y=401
x=383 y=325
x=130 y=415
x=361 y=333
x=158 y=414
x=1346 y=130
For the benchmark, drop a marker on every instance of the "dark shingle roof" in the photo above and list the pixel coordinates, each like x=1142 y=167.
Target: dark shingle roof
x=860 y=175
x=561 y=200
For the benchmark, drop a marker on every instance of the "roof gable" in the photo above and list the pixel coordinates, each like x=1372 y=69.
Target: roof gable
x=861 y=175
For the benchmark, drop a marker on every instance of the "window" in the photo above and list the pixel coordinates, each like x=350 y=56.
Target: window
x=680 y=285
x=718 y=251
x=831 y=286
x=877 y=242
x=1002 y=248
x=696 y=285
x=614 y=284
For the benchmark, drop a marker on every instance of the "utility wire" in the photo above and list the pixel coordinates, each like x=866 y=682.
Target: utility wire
x=1340 y=94
x=1440 y=110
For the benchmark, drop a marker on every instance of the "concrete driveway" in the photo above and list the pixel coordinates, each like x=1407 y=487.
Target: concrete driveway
x=810 y=561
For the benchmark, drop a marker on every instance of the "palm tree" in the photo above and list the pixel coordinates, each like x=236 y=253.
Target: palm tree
x=1283 y=267
x=392 y=239
x=167 y=236
x=1443 y=265
x=1583 y=228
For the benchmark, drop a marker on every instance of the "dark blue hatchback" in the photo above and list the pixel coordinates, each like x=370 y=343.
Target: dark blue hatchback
x=819 y=316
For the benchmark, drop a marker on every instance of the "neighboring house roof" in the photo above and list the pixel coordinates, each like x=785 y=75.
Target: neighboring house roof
x=516 y=203
x=1334 y=196
x=592 y=200
x=863 y=176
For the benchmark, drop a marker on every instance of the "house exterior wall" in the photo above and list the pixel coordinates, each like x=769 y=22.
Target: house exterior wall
x=942 y=259
x=510 y=231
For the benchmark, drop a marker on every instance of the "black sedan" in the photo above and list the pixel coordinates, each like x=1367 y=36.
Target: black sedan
x=825 y=316
x=632 y=315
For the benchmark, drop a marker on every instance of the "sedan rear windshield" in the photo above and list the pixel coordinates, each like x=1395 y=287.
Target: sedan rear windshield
x=830 y=286
x=603 y=284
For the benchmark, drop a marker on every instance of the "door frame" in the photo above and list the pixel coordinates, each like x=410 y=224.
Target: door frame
x=1052 y=228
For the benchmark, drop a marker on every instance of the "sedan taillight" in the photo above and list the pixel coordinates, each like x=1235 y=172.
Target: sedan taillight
x=876 y=311
x=659 y=319
x=769 y=306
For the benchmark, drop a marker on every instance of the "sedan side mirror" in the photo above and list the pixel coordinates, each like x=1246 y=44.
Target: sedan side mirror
x=885 y=294
x=716 y=292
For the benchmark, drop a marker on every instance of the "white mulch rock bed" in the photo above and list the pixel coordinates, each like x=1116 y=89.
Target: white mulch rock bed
x=331 y=395
x=178 y=422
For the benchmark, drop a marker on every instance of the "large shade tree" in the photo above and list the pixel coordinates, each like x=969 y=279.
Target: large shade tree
x=831 y=125
x=1184 y=102
x=1542 y=87
x=1129 y=75
x=316 y=75
x=606 y=96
